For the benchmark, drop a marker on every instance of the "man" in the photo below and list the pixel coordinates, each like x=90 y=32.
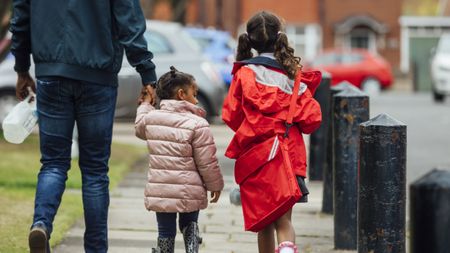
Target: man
x=77 y=47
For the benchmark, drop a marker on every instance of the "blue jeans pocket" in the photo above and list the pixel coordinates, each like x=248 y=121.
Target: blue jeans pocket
x=48 y=93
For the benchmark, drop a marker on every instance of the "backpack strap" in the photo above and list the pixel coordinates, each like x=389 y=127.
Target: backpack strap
x=292 y=104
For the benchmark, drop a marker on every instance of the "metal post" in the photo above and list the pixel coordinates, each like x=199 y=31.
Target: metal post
x=318 y=139
x=430 y=213
x=350 y=108
x=327 y=199
x=382 y=186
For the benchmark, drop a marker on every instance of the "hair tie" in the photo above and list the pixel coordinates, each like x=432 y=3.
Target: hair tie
x=248 y=37
x=173 y=71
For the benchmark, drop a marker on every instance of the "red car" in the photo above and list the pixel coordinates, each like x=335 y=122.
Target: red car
x=367 y=71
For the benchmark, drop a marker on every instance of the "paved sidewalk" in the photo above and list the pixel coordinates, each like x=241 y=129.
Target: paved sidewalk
x=133 y=229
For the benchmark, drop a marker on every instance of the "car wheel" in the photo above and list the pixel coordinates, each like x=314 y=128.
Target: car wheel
x=439 y=98
x=7 y=101
x=203 y=103
x=371 y=86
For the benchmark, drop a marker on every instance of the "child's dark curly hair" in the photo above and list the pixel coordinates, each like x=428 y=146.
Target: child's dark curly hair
x=265 y=36
x=170 y=82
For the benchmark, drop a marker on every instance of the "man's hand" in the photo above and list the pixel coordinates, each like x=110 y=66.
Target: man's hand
x=148 y=95
x=215 y=197
x=151 y=94
x=24 y=83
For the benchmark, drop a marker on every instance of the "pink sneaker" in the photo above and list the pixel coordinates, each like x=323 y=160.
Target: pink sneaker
x=287 y=244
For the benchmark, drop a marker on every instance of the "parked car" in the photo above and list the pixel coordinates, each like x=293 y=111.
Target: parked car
x=440 y=69
x=170 y=46
x=218 y=46
x=7 y=87
x=4 y=47
x=367 y=71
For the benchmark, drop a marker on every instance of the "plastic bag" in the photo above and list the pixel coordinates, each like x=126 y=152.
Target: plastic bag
x=22 y=119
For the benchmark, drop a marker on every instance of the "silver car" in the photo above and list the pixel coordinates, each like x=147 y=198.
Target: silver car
x=170 y=46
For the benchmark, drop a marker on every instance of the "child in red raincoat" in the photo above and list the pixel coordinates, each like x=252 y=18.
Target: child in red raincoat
x=256 y=109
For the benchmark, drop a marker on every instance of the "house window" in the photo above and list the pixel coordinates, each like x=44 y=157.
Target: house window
x=305 y=39
x=360 y=41
x=363 y=38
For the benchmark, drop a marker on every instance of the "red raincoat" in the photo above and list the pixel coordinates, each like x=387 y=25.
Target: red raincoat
x=256 y=109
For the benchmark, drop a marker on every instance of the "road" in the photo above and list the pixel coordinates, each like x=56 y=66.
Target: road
x=428 y=129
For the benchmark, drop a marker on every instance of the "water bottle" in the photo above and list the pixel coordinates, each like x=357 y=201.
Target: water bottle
x=19 y=123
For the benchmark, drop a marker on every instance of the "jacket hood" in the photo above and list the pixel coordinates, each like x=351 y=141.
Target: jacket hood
x=310 y=78
x=258 y=60
x=181 y=106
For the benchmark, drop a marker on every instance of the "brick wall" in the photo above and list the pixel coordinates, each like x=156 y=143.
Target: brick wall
x=293 y=11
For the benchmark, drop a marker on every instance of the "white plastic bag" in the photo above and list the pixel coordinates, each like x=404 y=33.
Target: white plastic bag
x=19 y=123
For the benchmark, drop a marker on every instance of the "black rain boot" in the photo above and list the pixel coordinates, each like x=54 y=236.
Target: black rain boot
x=165 y=245
x=191 y=237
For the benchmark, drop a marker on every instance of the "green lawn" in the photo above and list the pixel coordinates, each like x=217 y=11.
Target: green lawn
x=19 y=165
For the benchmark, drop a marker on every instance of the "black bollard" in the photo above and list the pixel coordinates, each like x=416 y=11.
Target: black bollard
x=430 y=213
x=350 y=109
x=382 y=186
x=318 y=139
x=327 y=199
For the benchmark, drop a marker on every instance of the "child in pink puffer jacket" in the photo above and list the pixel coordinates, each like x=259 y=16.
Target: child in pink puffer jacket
x=182 y=158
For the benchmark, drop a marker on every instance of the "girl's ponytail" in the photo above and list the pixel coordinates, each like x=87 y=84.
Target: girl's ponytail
x=244 y=50
x=285 y=55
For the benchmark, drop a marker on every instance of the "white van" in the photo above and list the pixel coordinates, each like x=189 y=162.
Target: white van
x=440 y=69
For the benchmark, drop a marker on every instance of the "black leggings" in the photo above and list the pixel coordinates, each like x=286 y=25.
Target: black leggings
x=167 y=222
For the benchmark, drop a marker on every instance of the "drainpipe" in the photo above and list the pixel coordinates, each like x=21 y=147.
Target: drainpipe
x=322 y=12
x=238 y=20
x=219 y=16
x=202 y=12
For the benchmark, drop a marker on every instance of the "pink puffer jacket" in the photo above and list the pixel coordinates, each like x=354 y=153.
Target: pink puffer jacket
x=183 y=163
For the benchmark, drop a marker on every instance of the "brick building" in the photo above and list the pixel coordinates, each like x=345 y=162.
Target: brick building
x=365 y=24
x=311 y=25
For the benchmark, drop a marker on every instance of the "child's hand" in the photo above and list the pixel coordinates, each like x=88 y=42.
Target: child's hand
x=215 y=197
x=148 y=95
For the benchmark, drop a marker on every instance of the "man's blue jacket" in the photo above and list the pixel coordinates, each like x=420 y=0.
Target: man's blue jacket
x=80 y=39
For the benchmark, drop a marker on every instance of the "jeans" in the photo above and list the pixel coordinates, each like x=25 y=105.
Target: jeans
x=167 y=222
x=61 y=102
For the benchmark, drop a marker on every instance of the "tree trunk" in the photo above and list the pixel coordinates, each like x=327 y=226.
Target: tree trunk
x=179 y=11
